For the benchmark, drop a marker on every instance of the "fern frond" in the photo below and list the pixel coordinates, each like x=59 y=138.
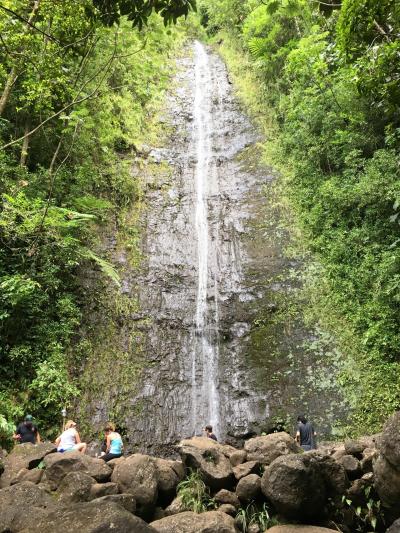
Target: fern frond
x=105 y=266
x=256 y=47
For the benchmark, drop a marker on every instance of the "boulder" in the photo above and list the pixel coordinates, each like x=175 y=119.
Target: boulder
x=209 y=458
x=98 y=490
x=299 y=485
x=389 y=445
x=244 y=469
x=175 y=507
x=339 y=453
x=387 y=484
x=127 y=501
x=351 y=465
x=368 y=457
x=115 y=462
x=92 y=517
x=357 y=492
x=238 y=457
x=394 y=528
x=300 y=529
x=226 y=496
x=189 y=522
x=75 y=487
x=138 y=476
x=58 y=465
x=169 y=474
x=228 y=509
x=21 y=503
x=26 y=456
x=354 y=447
x=249 y=488
x=266 y=449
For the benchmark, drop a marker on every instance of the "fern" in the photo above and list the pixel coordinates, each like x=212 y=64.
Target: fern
x=257 y=47
x=106 y=267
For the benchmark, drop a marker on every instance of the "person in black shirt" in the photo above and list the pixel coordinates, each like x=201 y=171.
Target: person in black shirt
x=26 y=431
x=209 y=433
x=305 y=435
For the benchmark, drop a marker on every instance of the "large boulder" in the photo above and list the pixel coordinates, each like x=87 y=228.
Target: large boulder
x=98 y=490
x=387 y=483
x=394 y=528
x=21 y=503
x=93 y=517
x=352 y=466
x=227 y=497
x=299 y=485
x=138 y=476
x=300 y=529
x=169 y=474
x=58 y=465
x=75 y=487
x=267 y=448
x=25 y=456
x=127 y=501
x=244 y=469
x=387 y=467
x=389 y=445
x=249 y=488
x=189 y=522
x=210 y=458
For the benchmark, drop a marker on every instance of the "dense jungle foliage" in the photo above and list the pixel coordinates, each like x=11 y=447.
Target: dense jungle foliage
x=326 y=81
x=80 y=83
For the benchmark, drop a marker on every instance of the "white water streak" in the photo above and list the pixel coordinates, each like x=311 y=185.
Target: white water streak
x=205 y=397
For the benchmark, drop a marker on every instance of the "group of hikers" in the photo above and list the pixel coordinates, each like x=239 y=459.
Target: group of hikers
x=69 y=439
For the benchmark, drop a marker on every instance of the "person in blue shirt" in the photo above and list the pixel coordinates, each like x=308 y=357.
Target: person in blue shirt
x=113 y=443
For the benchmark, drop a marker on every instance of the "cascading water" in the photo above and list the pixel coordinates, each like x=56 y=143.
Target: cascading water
x=198 y=352
x=205 y=396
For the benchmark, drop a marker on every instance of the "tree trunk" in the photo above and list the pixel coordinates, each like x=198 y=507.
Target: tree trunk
x=13 y=74
x=25 y=144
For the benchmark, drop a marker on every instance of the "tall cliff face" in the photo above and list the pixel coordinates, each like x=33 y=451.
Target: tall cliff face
x=204 y=330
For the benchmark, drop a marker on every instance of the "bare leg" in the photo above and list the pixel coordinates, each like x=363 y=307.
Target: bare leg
x=81 y=447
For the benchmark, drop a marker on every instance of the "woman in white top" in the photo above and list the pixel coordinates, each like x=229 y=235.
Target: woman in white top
x=69 y=440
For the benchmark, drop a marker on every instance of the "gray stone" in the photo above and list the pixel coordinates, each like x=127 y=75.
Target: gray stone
x=75 y=487
x=60 y=464
x=249 y=488
x=26 y=456
x=295 y=486
x=175 y=507
x=228 y=509
x=22 y=503
x=387 y=484
x=92 y=517
x=127 y=501
x=389 y=445
x=267 y=448
x=394 y=528
x=300 y=529
x=354 y=447
x=351 y=465
x=138 y=476
x=238 y=457
x=226 y=496
x=251 y=467
x=209 y=459
x=98 y=490
x=189 y=522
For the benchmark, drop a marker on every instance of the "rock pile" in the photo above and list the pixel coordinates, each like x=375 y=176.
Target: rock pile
x=42 y=490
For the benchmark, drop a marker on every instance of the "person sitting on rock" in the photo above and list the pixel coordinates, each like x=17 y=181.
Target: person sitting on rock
x=69 y=440
x=26 y=431
x=305 y=434
x=113 y=443
x=209 y=433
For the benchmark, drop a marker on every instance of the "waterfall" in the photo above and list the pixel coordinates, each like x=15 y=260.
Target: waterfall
x=205 y=397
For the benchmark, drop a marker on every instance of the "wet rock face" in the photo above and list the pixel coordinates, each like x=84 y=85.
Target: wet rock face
x=204 y=280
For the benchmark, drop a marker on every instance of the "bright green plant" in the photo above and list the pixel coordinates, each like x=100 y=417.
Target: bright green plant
x=258 y=514
x=194 y=493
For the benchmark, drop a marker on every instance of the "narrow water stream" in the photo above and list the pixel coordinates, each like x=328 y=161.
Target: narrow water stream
x=205 y=364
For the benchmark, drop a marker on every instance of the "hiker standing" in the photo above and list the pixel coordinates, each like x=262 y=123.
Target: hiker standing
x=27 y=431
x=305 y=434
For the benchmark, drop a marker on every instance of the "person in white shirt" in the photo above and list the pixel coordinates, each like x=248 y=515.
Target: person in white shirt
x=69 y=440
